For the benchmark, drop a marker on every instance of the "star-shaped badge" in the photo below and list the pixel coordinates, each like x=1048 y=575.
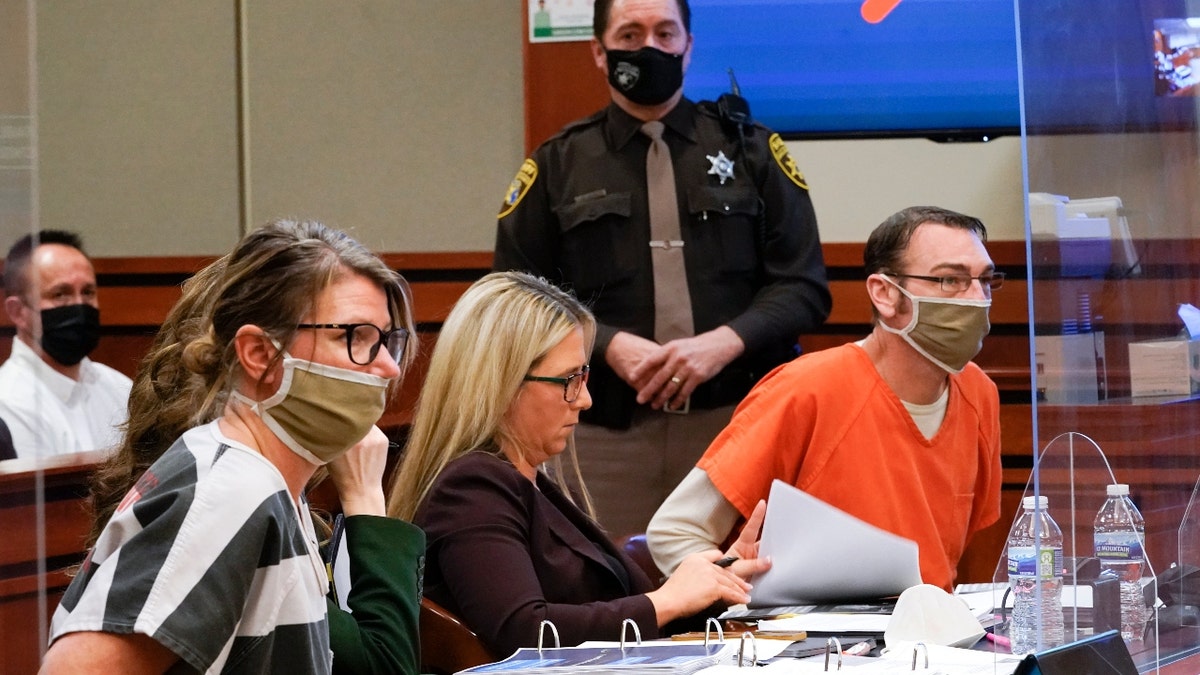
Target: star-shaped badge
x=722 y=166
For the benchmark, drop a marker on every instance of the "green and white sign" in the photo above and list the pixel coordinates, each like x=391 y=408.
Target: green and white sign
x=560 y=20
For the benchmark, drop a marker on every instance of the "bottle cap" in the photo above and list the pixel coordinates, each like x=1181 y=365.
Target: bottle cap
x=1118 y=490
x=1031 y=503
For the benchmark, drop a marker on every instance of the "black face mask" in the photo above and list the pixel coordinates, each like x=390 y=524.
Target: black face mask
x=70 y=333
x=648 y=76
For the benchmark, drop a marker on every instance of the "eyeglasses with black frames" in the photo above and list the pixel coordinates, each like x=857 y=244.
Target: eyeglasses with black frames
x=363 y=340
x=957 y=283
x=571 y=384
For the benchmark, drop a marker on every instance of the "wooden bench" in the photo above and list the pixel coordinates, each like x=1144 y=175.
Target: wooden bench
x=43 y=522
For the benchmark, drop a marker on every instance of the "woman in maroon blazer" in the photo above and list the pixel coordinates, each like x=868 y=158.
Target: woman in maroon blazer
x=508 y=545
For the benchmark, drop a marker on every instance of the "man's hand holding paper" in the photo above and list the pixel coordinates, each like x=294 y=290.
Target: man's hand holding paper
x=821 y=554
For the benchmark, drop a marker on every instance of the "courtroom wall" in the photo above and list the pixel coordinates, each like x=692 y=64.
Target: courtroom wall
x=398 y=120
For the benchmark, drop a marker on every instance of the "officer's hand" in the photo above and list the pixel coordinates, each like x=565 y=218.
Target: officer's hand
x=674 y=370
x=625 y=352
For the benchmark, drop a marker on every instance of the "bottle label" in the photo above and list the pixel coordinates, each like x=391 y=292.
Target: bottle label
x=1028 y=561
x=1118 y=546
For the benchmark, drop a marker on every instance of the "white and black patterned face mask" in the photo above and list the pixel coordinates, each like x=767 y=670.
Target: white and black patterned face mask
x=647 y=76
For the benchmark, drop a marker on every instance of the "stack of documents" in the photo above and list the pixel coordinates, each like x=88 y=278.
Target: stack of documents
x=838 y=623
x=941 y=661
x=645 y=658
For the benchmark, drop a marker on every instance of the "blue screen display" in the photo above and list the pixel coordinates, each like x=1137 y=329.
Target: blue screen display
x=944 y=69
x=817 y=68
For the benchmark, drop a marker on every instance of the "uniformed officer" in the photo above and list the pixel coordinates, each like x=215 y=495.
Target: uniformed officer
x=579 y=213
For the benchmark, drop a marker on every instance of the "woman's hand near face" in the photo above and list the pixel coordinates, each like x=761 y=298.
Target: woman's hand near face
x=696 y=584
x=358 y=475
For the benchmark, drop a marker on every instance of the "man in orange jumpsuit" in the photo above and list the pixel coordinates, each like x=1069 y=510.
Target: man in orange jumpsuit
x=899 y=429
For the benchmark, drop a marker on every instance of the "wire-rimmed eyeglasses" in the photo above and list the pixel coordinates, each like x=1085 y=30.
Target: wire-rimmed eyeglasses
x=957 y=283
x=363 y=340
x=571 y=384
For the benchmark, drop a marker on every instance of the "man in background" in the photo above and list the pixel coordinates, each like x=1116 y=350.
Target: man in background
x=690 y=233
x=53 y=398
x=900 y=430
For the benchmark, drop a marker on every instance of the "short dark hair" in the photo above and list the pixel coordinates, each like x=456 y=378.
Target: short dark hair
x=889 y=240
x=16 y=263
x=603 y=8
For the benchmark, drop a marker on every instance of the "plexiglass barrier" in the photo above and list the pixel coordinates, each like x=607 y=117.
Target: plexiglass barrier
x=1112 y=165
x=24 y=564
x=1067 y=561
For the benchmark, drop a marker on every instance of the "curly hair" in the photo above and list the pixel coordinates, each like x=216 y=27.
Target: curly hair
x=271 y=280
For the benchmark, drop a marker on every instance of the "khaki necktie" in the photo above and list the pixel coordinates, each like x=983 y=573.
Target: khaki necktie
x=672 y=302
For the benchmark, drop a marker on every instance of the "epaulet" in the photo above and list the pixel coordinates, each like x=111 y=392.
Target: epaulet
x=711 y=109
x=708 y=108
x=590 y=120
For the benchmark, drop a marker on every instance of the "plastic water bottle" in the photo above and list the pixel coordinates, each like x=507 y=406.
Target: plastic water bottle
x=1035 y=573
x=1119 y=544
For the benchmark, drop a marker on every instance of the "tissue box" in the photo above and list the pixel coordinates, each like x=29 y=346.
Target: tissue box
x=1067 y=367
x=1164 y=367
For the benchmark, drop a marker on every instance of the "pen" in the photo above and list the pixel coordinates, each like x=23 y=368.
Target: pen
x=726 y=561
x=1000 y=640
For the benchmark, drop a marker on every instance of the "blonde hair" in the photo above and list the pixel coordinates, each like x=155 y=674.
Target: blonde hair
x=499 y=330
x=271 y=280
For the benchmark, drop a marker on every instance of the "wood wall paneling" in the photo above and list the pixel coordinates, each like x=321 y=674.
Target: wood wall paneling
x=562 y=84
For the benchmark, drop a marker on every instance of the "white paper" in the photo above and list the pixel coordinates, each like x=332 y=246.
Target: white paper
x=829 y=622
x=822 y=554
x=767 y=649
x=983 y=603
x=1191 y=319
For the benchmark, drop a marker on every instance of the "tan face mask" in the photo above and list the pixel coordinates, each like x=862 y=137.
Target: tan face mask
x=320 y=411
x=947 y=331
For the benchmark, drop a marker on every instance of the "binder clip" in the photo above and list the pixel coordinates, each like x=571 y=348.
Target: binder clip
x=709 y=626
x=742 y=650
x=637 y=633
x=833 y=645
x=542 y=634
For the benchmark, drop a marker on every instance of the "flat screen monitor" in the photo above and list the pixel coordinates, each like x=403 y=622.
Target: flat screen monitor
x=817 y=68
x=948 y=69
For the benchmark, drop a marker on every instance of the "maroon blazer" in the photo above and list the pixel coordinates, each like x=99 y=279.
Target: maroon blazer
x=504 y=555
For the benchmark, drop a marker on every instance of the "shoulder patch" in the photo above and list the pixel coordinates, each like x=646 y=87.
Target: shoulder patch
x=519 y=186
x=786 y=163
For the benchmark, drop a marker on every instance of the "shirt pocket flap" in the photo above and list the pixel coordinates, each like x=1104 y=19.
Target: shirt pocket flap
x=722 y=200
x=588 y=209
